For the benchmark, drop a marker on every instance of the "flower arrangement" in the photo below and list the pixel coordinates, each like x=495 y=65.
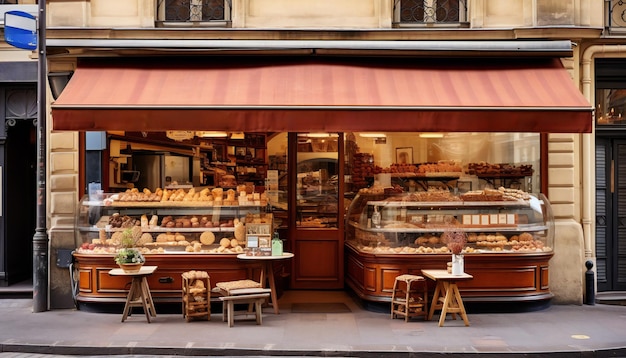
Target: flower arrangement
x=455 y=240
x=129 y=255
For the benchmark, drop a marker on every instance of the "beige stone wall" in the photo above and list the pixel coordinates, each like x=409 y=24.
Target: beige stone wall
x=529 y=13
x=363 y=14
x=356 y=14
x=101 y=13
x=62 y=206
x=564 y=193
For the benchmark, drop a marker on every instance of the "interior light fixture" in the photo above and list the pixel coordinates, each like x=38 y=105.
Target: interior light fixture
x=372 y=135
x=431 y=135
x=237 y=135
x=211 y=134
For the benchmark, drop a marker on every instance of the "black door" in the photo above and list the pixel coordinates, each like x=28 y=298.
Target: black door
x=18 y=177
x=611 y=214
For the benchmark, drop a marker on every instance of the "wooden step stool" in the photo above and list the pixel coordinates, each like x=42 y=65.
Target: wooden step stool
x=196 y=295
x=409 y=297
x=242 y=292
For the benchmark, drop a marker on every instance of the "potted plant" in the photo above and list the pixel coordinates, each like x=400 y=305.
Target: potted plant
x=129 y=258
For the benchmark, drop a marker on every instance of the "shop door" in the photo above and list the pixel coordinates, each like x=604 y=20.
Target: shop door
x=316 y=210
x=611 y=214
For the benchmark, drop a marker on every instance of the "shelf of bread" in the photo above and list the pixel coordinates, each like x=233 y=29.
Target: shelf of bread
x=212 y=230
x=407 y=227
x=182 y=198
x=432 y=243
x=168 y=242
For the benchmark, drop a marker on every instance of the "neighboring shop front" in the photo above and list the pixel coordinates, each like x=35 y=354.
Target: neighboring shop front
x=486 y=110
x=610 y=100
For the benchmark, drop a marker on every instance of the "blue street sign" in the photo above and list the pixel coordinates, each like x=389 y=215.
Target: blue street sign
x=20 y=29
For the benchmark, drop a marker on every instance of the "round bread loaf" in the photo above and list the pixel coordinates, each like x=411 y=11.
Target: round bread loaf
x=207 y=238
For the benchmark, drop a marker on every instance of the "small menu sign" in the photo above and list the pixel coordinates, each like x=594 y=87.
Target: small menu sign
x=180 y=135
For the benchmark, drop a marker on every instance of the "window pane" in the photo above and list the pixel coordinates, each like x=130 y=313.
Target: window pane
x=610 y=106
x=317 y=185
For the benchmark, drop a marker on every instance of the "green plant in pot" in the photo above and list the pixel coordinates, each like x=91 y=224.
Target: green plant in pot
x=129 y=258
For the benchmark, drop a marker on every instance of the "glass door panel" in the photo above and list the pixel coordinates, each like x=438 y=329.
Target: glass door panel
x=317 y=180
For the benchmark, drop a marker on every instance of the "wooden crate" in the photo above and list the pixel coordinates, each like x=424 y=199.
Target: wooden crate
x=196 y=293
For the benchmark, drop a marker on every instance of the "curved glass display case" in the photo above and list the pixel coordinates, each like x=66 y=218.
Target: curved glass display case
x=495 y=221
x=509 y=238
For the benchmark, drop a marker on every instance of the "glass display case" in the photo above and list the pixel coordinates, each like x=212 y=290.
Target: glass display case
x=158 y=226
x=494 y=221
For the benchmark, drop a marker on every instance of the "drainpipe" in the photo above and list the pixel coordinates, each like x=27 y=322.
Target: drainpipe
x=588 y=143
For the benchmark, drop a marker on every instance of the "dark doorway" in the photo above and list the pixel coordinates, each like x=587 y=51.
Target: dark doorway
x=611 y=214
x=18 y=163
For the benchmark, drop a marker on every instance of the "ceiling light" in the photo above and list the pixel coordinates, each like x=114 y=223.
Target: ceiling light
x=372 y=135
x=211 y=134
x=318 y=135
x=431 y=135
x=237 y=135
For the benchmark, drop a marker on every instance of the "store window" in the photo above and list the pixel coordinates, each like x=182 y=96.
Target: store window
x=457 y=162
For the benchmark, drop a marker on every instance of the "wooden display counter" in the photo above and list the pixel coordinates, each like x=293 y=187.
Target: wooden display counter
x=95 y=285
x=498 y=277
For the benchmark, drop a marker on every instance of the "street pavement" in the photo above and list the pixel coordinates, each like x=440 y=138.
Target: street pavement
x=554 y=331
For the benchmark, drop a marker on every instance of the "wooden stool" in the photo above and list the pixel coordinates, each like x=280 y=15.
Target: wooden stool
x=408 y=300
x=241 y=292
x=254 y=301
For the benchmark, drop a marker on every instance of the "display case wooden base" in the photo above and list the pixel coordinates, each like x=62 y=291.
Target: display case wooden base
x=511 y=277
x=95 y=285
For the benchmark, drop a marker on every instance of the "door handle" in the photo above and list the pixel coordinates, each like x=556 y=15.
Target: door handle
x=166 y=279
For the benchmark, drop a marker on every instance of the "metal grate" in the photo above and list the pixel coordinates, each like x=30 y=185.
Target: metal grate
x=194 y=11
x=430 y=12
x=616 y=15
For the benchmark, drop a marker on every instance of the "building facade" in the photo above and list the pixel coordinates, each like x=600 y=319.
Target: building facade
x=80 y=29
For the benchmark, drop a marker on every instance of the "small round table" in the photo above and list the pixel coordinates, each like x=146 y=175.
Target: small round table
x=267 y=273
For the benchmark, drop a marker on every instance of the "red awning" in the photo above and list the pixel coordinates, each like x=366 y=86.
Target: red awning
x=269 y=94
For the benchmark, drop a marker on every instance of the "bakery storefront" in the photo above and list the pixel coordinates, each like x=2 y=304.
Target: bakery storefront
x=359 y=163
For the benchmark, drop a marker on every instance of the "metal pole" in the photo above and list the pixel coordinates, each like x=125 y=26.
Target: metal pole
x=590 y=281
x=40 y=239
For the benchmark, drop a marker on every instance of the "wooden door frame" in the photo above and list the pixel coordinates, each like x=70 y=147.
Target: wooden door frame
x=312 y=235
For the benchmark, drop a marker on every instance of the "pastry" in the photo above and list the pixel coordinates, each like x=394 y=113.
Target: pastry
x=144 y=239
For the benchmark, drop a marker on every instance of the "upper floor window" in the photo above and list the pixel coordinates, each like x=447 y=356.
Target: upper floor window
x=430 y=13
x=194 y=12
x=610 y=91
x=615 y=15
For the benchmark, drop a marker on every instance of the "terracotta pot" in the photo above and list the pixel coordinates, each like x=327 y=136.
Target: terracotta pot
x=131 y=268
